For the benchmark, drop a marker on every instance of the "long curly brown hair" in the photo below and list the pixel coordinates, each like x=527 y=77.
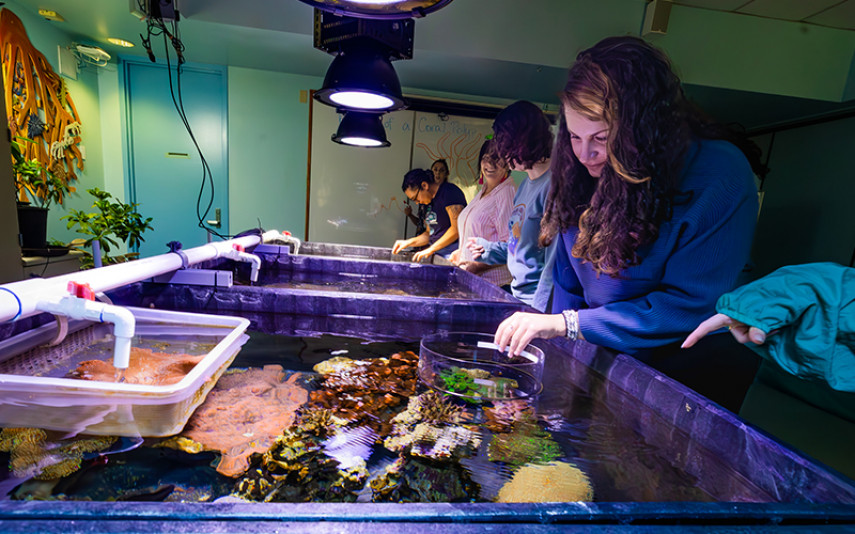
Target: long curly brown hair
x=629 y=85
x=522 y=135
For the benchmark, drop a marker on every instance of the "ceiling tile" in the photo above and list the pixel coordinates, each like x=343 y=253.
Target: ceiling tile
x=786 y=9
x=840 y=16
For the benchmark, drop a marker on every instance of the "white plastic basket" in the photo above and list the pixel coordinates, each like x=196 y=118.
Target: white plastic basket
x=34 y=392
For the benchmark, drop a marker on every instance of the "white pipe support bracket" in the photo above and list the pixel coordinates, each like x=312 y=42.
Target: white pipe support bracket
x=124 y=322
x=239 y=255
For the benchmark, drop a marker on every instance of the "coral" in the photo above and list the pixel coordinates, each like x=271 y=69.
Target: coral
x=146 y=367
x=243 y=414
x=31 y=454
x=553 y=482
x=436 y=442
x=503 y=414
x=296 y=469
x=474 y=384
x=430 y=407
x=417 y=480
x=526 y=442
x=368 y=391
x=429 y=428
x=336 y=364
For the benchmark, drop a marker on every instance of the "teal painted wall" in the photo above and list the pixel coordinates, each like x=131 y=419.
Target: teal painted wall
x=84 y=93
x=268 y=149
x=807 y=213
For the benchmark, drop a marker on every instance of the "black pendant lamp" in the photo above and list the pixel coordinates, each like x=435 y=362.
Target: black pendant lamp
x=361 y=77
x=361 y=129
x=379 y=9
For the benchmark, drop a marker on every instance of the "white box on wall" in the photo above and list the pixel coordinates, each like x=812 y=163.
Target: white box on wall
x=67 y=62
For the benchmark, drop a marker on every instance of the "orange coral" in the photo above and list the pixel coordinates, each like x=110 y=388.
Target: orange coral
x=146 y=367
x=244 y=413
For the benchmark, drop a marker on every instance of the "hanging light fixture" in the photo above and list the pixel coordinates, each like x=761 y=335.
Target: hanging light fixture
x=362 y=77
x=358 y=128
x=379 y=9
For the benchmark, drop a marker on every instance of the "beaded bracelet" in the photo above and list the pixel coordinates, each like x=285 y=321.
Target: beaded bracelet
x=571 y=322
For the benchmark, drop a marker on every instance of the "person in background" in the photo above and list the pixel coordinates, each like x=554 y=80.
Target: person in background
x=653 y=212
x=440 y=171
x=422 y=220
x=522 y=138
x=802 y=317
x=487 y=217
x=447 y=200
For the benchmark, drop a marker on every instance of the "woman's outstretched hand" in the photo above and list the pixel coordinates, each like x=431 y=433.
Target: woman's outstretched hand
x=521 y=328
x=742 y=332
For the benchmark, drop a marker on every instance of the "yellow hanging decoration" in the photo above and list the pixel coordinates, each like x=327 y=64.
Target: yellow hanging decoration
x=38 y=105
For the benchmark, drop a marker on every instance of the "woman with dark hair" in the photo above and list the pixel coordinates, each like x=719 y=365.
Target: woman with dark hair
x=522 y=138
x=440 y=171
x=447 y=200
x=652 y=209
x=487 y=217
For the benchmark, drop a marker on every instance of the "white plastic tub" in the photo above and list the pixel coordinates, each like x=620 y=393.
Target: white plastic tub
x=34 y=392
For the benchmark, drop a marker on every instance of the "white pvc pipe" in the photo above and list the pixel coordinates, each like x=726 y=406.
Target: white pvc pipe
x=123 y=321
x=19 y=299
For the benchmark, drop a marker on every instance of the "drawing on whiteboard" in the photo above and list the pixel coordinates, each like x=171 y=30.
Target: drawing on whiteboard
x=378 y=207
x=461 y=154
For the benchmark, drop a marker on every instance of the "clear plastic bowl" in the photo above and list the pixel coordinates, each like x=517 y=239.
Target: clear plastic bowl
x=469 y=365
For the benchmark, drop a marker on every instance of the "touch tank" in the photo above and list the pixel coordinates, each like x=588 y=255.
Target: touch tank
x=644 y=449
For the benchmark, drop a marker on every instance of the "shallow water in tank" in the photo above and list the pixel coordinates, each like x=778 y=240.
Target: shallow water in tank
x=373 y=284
x=617 y=460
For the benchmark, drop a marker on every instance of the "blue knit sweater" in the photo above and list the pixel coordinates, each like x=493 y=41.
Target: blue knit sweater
x=696 y=257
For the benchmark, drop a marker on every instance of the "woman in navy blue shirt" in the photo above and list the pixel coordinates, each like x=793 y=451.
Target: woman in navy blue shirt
x=653 y=210
x=447 y=201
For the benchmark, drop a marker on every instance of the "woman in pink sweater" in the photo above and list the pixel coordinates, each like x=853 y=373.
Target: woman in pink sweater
x=487 y=216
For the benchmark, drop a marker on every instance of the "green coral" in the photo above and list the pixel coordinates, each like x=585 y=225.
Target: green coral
x=474 y=384
x=526 y=443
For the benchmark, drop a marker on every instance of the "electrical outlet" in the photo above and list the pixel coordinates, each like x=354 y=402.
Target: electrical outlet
x=304 y=96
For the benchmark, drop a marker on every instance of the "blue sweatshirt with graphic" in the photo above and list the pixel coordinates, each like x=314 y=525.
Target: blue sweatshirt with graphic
x=529 y=263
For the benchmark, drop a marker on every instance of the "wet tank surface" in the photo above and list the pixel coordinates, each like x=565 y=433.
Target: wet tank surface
x=465 y=452
x=345 y=274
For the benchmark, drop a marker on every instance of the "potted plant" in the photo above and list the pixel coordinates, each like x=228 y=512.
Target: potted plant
x=114 y=222
x=37 y=189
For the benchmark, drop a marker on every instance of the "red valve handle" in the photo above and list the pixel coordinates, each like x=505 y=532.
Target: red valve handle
x=82 y=291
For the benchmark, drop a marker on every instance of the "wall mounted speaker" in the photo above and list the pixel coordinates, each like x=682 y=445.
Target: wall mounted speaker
x=656 y=18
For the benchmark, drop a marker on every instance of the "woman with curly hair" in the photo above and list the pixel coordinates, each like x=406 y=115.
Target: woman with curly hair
x=652 y=208
x=523 y=140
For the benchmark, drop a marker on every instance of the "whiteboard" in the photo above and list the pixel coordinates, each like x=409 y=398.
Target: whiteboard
x=456 y=139
x=355 y=193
